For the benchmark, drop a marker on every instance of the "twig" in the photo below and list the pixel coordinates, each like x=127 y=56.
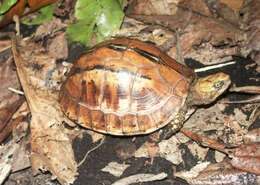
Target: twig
x=93 y=149
x=16 y=91
x=213 y=67
x=17 y=24
x=143 y=177
x=246 y=89
x=254 y=99
x=255 y=113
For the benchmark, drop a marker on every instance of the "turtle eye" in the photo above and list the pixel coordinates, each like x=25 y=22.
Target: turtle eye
x=218 y=85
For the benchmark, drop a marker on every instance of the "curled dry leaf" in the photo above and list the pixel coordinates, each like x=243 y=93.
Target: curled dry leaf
x=50 y=147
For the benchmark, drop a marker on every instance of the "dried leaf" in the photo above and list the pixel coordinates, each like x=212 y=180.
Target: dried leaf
x=115 y=168
x=169 y=150
x=252 y=136
x=247 y=157
x=50 y=145
x=234 y=4
x=58 y=47
x=159 y=7
x=222 y=173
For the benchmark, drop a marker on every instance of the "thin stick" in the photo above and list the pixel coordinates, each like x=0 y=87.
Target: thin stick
x=213 y=67
x=93 y=149
x=16 y=91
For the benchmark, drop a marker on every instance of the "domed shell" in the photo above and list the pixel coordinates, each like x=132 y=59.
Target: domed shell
x=125 y=87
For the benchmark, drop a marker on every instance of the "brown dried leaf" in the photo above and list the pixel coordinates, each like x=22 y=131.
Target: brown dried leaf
x=4 y=44
x=115 y=168
x=203 y=35
x=251 y=23
x=247 y=157
x=58 y=47
x=234 y=4
x=9 y=101
x=50 y=28
x=50 y=146
x=158 y=7
x=252 y=136
x=223 y=173
x=8 y=78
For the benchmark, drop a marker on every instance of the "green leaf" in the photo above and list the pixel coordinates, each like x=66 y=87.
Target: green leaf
x=101 y=17
x=45 y=14
x=81 y=32
x=87 y=9
x=6 y=5
x=110 y=18
x=120 y=2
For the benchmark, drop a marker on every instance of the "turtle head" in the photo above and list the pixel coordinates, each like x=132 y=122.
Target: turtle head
x=206 y=90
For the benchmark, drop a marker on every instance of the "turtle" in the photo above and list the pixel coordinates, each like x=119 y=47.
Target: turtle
x=128 y=87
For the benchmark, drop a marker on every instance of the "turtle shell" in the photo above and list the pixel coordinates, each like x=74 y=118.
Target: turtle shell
x=125 y=87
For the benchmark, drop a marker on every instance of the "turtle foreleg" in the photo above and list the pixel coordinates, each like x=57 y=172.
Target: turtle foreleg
x=174 y=126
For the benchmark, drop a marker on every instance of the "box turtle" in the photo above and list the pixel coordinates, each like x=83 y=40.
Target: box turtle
x=128 y=87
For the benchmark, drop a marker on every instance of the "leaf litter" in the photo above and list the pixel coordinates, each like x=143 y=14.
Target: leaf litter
x=207 y=38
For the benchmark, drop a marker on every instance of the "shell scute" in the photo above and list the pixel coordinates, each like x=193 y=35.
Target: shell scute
x=114 y=124
x=129 y=124
x=98 y=120
x=84 y=116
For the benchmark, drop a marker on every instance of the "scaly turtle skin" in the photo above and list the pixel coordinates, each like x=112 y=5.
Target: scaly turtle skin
x=127 y=87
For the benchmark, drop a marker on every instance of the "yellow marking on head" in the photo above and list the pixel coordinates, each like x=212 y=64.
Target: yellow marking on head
x=208 y=88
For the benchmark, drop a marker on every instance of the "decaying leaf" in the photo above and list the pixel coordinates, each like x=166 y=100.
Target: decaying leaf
x=251 y=23
x=204 y=37
x=9 y=101
x=253 y=136
x=58 y=47
x=234 y=4
x=14 y=155
x=220 y=173
x=50 y=146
